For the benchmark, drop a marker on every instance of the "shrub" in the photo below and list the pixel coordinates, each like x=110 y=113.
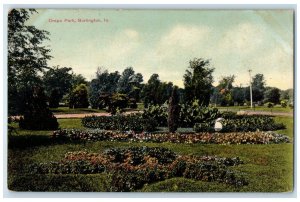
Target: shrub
x=283 y=103
x=269 y=104
x=195 y=113
x=188 y=116
x=37 y=115
x=158 y=113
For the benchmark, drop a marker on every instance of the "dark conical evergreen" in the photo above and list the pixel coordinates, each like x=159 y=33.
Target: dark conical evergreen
x=173 y=111
x=37 y=115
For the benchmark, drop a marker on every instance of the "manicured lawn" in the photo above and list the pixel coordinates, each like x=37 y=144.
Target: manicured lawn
x=268 y=168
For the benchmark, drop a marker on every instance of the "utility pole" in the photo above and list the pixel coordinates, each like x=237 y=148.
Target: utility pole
x=250 y=88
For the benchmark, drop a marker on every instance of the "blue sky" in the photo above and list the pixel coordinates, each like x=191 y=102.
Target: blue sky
x=163 y=42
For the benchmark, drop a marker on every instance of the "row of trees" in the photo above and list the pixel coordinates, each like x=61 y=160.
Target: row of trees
x=225 y=94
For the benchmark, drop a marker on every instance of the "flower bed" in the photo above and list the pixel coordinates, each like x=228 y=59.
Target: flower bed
x=133 y=167
x=257 y=137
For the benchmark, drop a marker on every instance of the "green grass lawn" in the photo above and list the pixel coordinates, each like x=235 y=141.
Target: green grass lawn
x=276 y=108
x=268 y=168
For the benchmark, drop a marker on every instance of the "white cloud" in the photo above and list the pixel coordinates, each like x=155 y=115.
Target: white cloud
x=243 y=38
x=184 y=36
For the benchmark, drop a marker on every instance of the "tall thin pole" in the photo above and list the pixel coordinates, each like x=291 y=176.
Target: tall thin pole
x=250 y=87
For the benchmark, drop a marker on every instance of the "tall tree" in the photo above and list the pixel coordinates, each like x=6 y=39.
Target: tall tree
x=104 y=83
x=124 y=81
x=58 y=82
x=27 y=57
x=198 y=81
x=156 y=92
x=135 y=82
x=238 y=95
x=258 y=87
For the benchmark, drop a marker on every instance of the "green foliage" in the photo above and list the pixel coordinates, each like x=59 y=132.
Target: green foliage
x=156 y=92
x=158 y=113
x=188 y=116
x=79 y=97
x=283 y=103
x=129 y=82
x=270 y=104
x=27 y=58
x=134 y=122
x=104 y=83
x=258 y=87
x=203 y=127
x=58 y=80
x=198 y=81
x=117 y=101
x=272 y=95
x=37 y=115
x=195 y=113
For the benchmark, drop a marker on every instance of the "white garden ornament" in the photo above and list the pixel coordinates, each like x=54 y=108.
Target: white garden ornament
x=218 y=124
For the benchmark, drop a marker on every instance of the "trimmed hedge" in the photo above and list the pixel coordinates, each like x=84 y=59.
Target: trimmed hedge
x=243 y=124
x=133 y=122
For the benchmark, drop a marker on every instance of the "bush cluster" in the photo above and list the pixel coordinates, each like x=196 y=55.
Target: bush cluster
x=132 y=167
x=257 y=137
x=188 y=115
x=133 y=122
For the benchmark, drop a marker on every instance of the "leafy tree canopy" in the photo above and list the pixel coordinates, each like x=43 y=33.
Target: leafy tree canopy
x=198 y=81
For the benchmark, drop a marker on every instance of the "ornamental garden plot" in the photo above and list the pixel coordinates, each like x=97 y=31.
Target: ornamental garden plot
x=132 y=167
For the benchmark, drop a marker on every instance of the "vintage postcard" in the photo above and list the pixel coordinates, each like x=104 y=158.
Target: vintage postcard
x=141 y=100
